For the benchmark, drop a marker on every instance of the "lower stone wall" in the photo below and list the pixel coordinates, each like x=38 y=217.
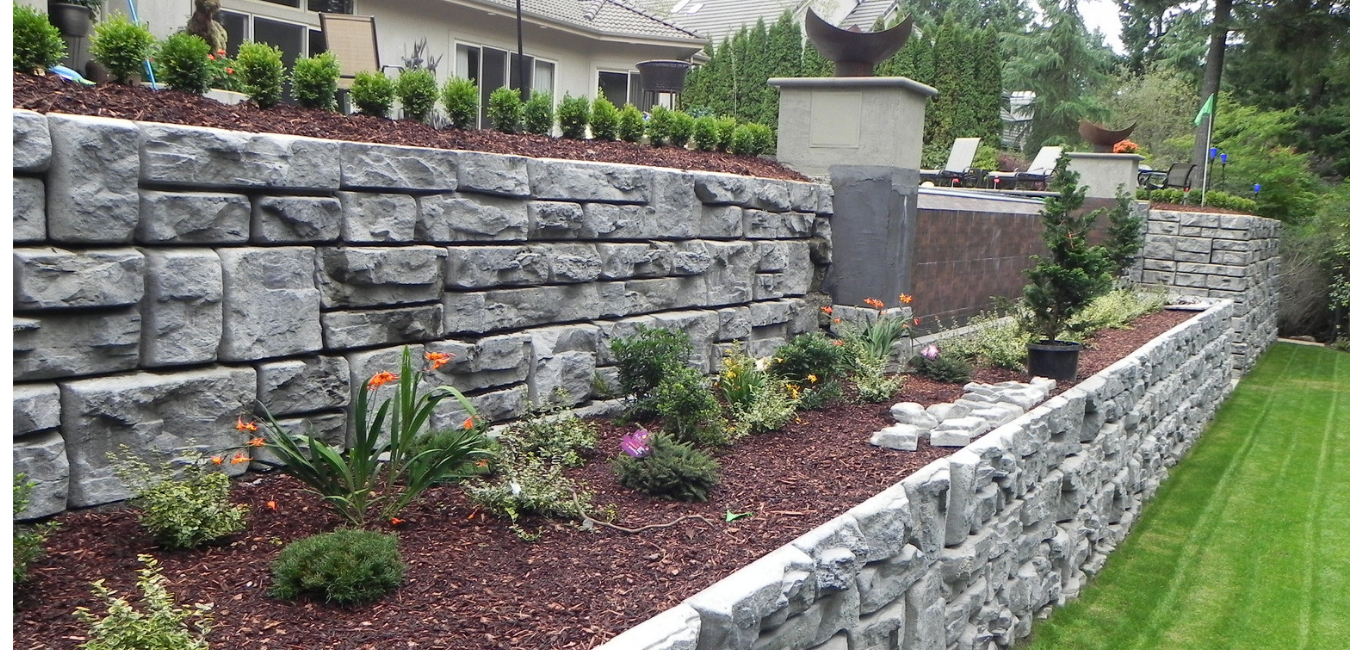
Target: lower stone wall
x=970 y=549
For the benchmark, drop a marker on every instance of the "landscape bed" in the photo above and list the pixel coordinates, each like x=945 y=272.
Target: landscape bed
x=473 y=583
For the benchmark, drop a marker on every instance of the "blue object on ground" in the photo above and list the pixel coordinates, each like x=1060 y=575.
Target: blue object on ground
x=70 y=75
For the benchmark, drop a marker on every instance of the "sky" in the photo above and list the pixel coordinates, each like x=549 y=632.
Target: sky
x=1103 y=16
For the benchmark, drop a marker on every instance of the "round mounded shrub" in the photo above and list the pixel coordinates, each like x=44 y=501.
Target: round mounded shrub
x=537 y=116
x=417 y=93
x=373 y=93
x=261 y=73
x=460 y=98
x=574 y=113
x=314 y=81
x=604 y=120
x=632 y=126
x=37 y=43
x=182 y=63
x=122 y=47
x=344 y=567
x=504 y=109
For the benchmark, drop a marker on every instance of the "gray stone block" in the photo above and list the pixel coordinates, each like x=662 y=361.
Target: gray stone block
x=193 y=218
x=690 y=258
x=148 y=412
x=491 y=173
x=730 y=278
x=570 y=263
x=913 y=413
x=605 y=221
x=65 y=344
x=331 y=428
x=296 y=219
x=903 y=437
x=761 y=224
x=30 y=210
x=564 y=363
x=725 y=189
x=182 y=314
x=555 y=219
x=386 y=167
x=485 y=267
x=678 y=211
x=36 y=407
x=623 y=261
x=215 y=158
x=734 y=610
x=376 y=277
x=480 y=312
x=304 y=385
x=733 y=323
x=32 y=142
x=447 y=218
x=676 y=628
x=370 y=218
x=271 y=307
x=92 y=180
x=569 y=180
x=42 y=460
x=493 y=362
x=366 y=328
x=55 y=278
x=721 y=222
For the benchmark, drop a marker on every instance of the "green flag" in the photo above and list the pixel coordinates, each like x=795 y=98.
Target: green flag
x=1207 y=109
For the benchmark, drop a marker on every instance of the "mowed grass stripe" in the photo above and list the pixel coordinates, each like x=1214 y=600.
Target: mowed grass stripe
x=1247 y=545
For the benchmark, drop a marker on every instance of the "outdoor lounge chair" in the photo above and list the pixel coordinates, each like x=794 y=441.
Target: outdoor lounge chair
x=1179 y=175
x=1038 y=173
x=957 y=171
x=352 y=40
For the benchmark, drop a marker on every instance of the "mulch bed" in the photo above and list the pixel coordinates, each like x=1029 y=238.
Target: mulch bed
x=473 y=584
x=51 y=94
x=1173 y=207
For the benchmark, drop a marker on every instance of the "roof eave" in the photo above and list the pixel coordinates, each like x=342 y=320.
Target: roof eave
x=598 y=34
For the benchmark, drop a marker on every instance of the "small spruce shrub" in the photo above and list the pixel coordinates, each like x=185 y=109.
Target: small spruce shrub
x=28 y=540
x=314 y=81
x=182 y=506
x=344 y=567
x=261 y=73
x=726 y=130
x=460 y=99
x=689 y=410
x=604 y=120
x=631 y=124
x=416 y=91
x=182 y=64
x=1125 y=236
x=681 y=129
x=946 y=368
x=705 y=134
x=670 y=469
x=373 y=93
x=162 y=626
x=811 y=355
x=660 y=125
x=574 y=113
x=537 y=115
x=37 y=43
x=121 y=46
x=646 y=357
x=504 y=109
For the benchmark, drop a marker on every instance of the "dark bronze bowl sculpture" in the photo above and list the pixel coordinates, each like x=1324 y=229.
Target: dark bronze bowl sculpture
x=855 y=54
x=1102 y=140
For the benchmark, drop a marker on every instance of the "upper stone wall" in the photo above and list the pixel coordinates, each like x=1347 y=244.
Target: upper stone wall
x=168 y=276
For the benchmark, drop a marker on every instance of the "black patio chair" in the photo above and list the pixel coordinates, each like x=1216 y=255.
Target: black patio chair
x=1179 y=175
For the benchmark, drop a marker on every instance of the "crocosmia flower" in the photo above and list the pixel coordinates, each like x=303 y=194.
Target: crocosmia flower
x=382 y=378
x=930 y=352
x=635 y=443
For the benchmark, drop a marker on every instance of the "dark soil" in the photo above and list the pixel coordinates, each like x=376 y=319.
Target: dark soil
x=473 y=584
x=51 y=94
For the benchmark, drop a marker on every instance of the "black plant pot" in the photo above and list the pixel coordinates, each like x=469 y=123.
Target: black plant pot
x=73 y=20
x=1057 y=360
x=663 y=76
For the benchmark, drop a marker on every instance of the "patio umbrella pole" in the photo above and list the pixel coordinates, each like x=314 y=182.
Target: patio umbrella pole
x=520 y=54
x=149 y=72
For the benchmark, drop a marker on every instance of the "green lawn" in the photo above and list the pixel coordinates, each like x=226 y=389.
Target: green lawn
x=1247 y=545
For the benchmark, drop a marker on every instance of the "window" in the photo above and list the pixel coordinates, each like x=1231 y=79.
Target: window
x=624 y=87
x=295 y=39
x=543 y=77
x=492 y=68
x=290 y=38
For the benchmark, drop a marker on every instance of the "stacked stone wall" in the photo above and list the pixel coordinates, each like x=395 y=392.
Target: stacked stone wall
x=967 y=551
x=166 y=277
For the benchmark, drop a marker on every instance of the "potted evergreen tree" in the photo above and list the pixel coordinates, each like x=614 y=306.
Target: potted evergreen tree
x=1065 y=281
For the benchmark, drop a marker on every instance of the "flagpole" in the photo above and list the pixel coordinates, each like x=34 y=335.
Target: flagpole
x=1209 y=142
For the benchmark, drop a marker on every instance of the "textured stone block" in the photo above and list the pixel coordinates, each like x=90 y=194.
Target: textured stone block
x=42 y=461
x=774 y=587
x=761 y=224
x=36 y=407
x=725 y=189
x=386 y=167
x=182 y=314
x=555 y=219
x=690 y=258
x=803 y=197
x=564 y=363
x=492 y=362
x=30 y=210
x=365 y=328
x=569 y=180
x=903 y=437
x=331 y=428
x=375 y=277
x=493 y=406
x=296 y=219
x=678 y=210
x=733 y=323
x=605 y=221
x=215 y=158
x=721 y=222
x=676 y=628
x=730 y=278
x=623 y=261
x=484 y=267
x=519 y=308
x=55 y=278
x=573 y=262
x=368 y=218
x=61 y=344
x=304 y=385
x=271 y=307
x=454 y=218
x=32 y=142
x=491 y=173
x=148 y=412
x=193 y=218
x=92 y=180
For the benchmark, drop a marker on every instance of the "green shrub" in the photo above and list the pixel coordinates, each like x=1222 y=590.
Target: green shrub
x=528 y=484
x=460 y=99
x=681 y=129
x=37 y=43
x=751 y=140
x=872 y=382
x=373 y=93
x=689 y=410
x=122 y=47
x=604 y=120
x=1125 y=236
x=537 y=115
x=660 y=125
x=813 y=397
x=504 y=109
x=811 y=355
x=344 y=567
x=314 y=81
x=770 y=408
x=741 y=377
x=993 y=341
x=646 y=357
x=705 y=134
x=1116 y=309
x=631 y=124
x=260 y=73
x=182 y=64
x=163 y=625
x=946 y=368
x=416 y=91
x=574 y=113
x=669 y=469
x=28 y=540
x=726 y=131
x=182 y=506
x=553 y=433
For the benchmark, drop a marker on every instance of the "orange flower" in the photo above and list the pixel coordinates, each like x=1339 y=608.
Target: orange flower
x=916 y=322
x=239 y=458
x=481 y=463
x=229 y=70
x=468 y=423
x=838 y=320
x=395 y=521
x=874 y=303
x=220 y=52
x=217 y=460
x=211 y=56
x=381 y=379
x=438 y=359
x=906 y=298
x=838 y=342
x=257 y=442
x=828 y=310
x=245 y=426
x=271 y=505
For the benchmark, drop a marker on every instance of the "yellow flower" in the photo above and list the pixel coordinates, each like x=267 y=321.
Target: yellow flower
x=811 y=378
x=906 y=298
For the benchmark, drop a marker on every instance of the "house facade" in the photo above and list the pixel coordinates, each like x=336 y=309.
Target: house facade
x=721 y=19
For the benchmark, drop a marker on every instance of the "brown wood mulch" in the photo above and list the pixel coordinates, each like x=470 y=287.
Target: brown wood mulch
x=51 y=94
x=1174 y=207
x=472 y=583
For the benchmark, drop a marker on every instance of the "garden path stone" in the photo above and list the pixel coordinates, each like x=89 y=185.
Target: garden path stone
x=32 y=142
x=901 y=437
x=41 y=458
x=215 y=158
x=94 y=164
x=56 y=278
x=37 y=407
x=385 y=167
x=182 y=316
x=193 y=218
x=271 y=306
x=30 y=210
x=915 y=414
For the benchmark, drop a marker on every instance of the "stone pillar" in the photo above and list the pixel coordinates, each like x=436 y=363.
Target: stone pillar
x=1102 y=173
x=873 y=233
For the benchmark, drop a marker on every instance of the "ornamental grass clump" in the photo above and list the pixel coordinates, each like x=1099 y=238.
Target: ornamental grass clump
x=314 y=81
x=537 y=115
x=460 y=99
x=604 y=120
x=182 y=63
x=416 y=90
x=122 y=47
x=261 y=73
x=163 y=625
x=660 y=465
x=574 y=113
x=632 y=126
x=37 y=43
x=373 y=93
x=183 y=504
x=504 y=109
x=346 y=567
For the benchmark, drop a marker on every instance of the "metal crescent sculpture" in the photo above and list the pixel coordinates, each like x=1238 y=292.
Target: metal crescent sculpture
x=855 y=54
x=1101 y=139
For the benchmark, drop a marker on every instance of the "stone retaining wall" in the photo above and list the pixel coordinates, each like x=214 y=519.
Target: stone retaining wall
x=970 y=549
x=168 y=276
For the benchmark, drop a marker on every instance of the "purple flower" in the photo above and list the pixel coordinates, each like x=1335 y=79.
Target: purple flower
x=635 y=443
x=930 y=352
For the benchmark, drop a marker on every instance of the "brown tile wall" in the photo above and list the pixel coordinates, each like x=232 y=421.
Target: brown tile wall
x=961 y=258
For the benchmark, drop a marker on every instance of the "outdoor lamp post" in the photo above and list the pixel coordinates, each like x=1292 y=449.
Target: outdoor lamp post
x=1223 y=171
x=1257 y=189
